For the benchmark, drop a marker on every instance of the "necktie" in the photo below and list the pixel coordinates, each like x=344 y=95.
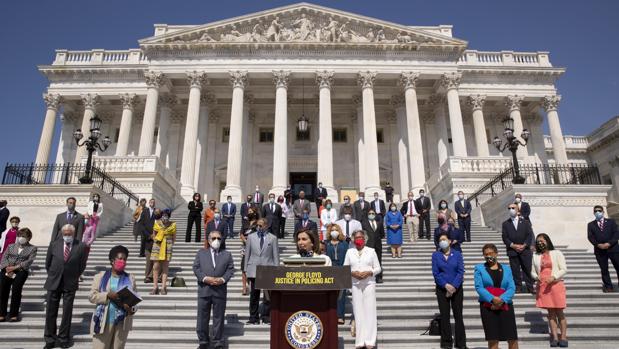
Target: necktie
x=362 y=205
x=374 y=225
x=256 y=199
x=66 y=252
x=377 y=206
x=214 y=259
x=261 y=240
x=601 y=224
x=347 y=229
x=69 y=217
x=272 y=208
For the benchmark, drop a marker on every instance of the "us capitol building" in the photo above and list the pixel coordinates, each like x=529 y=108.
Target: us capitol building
x=303 y=94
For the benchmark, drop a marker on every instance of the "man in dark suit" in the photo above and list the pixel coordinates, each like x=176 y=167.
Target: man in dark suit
x=378 y=205
x=70 y=216
x=463 y=210
x=300 y=205
x=228 y=210
x=373 y=226
x=147 y=221
x=389 y=192
x=423 y=206
x=244 y=209
x=258 y=199
x=217 y=224
x=214 y=267
x=320 y=194
x=272 y=211
x=524 y=207
x=360 y=208
x=4 y=216
x=288 y=195
x=518 y=238
x=65 y=262
x=305 y=223
x=604 y=235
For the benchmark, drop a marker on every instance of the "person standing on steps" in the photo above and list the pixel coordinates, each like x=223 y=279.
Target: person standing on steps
x=147 y=221
x=394 y=222
x=4 y=215
x=388 y=192
x=328 y=216
x=518 y=238
x=164 y=237
x=411 y=216
x=375 y=229
x=423 y=207
x=447 y=226
x=360 y=208
x=258 y=199
x=523 y=207
x=136 y=219
x=463 y=209
x=378 y=205
x=228 y=211
x=282 y=219
x=305 y=224
x=209 y=213
x=336 y=249
x=70 y=216
x=604 y=235
x=346 y=203
x=300 y=205
x=320 y=194
x=194 y=217
x=272 y=211
x=348 y=224
x=244 y=210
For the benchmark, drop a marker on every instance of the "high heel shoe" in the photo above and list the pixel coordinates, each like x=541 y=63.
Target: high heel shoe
x=154 y=291
x=164 y=291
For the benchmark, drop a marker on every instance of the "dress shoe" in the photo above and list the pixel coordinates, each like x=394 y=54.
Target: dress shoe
x=49 y=345
x=608 y=290
x=554 y=343
x=203 y=346
x=563 y=344
x=66 y=345
x=252 y=322
x=379 y=280
x=266 y=321
x=219 y=346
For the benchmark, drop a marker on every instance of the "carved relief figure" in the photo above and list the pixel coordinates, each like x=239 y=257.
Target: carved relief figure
x=304 y=27
x=274 y=31
x=332 y=30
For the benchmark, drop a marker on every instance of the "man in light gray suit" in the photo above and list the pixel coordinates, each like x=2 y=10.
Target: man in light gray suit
x=261 y=249
x=70 y=216
x=299 y=205
x=214 y=267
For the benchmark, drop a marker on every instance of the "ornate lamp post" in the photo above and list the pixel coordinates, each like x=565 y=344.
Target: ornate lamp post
x=512 y=143
x=92 y=144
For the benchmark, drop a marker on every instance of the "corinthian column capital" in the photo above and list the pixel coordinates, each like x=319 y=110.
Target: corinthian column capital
x=551 y=103
x=513 y=102
x=154 y=79
x=91 y=101
x=408 y=80
x=238 y=78
x=197 y=79
x=366 y=79
x=451 y=80
x=52 y=100
x=324 y=78
x=281 y=78
x=128 y=100
x=476 y=102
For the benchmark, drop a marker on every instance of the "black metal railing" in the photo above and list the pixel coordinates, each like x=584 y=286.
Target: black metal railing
x=29 y=174
x=539 y=174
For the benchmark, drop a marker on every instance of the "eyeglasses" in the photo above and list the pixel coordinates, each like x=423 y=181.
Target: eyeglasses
x=213 y=239
x=598 y=211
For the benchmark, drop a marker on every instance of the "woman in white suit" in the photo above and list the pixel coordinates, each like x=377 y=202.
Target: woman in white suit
x=328 y=216
x=364 y=265
x=549 y=269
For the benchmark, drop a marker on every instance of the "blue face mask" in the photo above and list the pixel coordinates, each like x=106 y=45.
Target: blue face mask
x=599 y=215
x=305 y=216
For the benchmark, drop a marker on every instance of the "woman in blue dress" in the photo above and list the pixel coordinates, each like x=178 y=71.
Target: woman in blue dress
x=393 y=223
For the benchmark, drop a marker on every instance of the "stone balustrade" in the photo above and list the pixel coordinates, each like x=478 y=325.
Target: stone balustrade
x=141 y=164
x=99 y=57
x=505 y=58
x=572 y=143
x=469 y=165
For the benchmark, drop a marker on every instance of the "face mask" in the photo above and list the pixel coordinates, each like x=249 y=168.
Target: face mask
x=347 y=217
x=422 y=194
x=120 y=264
x=518 y=200
x=305 y=216
x=410 y=198
x=359 y=243
x=14 y=225
x=371 y=217
x=347 y=201
x=305 y=253
x=229 y=201
x=257 y=190
x=328 y=207
x=443 y=206
x=95 y=199
x=22 y=240
x=71 y=207
x=460 y=197
x=67 y=239
x=217 y=215
x=376 y=198
x=165 y=219
x=490 y=259
x=85 y=220
x=512 y=212
x=540 y=245
x=393 y=209
x=249 y=200
x=599 y=215
x=216 y=244
x=319 y=185
x=361 y=198
x=443 y=244
x=271 y=200
x=334 y=235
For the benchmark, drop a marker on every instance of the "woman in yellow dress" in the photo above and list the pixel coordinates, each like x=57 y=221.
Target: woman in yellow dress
x=164 y=236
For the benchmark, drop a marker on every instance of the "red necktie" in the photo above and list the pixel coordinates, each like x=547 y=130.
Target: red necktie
x=601 y=224
x=66 y=252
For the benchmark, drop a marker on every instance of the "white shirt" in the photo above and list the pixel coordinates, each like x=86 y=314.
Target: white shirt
x=364 y=260
x=377 y=205
x=353 y=225
x=327 y=217
x=515 y=222
x=411 y=211
x=323 y=256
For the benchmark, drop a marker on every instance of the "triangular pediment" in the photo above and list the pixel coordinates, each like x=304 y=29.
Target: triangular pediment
x=303 y=24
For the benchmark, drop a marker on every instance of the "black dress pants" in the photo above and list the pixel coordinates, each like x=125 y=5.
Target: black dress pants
x=465 y=226
x=51 y=314
x=205 y=304
x=191 y=220
x=424 y=220
x=602 y=259
x=446 y=306
x=254 y=302
x=16 y=284
x=282 y=227
x=521 y=265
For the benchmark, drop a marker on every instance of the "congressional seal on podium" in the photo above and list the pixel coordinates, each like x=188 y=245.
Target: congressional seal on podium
x=304 y=330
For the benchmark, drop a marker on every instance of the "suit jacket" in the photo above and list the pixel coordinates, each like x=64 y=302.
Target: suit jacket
x=609 y=235
x=524 y=235
x=359 y=213
x=255 y=256
x=147 y=221
x=64 y=274
x=24 y=260
x=226 y=213
x=212 y=226
x=466 y=209
x=423 y=203
x=273 y=216
x=311 y=225
x=4 y=216
x=318 y=193
x=374 y=236
x=203 y=266
x=244 y=209
x=381 y=204
x=525 y=210
x=195 y=209
x=483 y=279
x=260 y=200
x=341 y=213
x=61 y=219
x=297 y=208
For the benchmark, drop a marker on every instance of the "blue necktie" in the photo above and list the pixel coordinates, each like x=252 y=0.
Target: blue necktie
x=261 y=240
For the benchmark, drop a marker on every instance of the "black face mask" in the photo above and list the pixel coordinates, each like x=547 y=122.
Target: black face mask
x=490 y=259
x=305 y=253
x=540 y=245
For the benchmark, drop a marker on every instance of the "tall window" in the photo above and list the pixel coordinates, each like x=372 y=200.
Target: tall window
x=340 y=135
x=225 y=134
x=266 y=135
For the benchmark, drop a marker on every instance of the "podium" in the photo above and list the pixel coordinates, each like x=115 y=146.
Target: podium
x=303 y=304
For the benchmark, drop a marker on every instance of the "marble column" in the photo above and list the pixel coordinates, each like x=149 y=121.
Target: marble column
x=162 y=148
x=399 y=135
x=440 y=121
x=408 y=81
x=513 y=103
x=451 y=81
x=550 y=104
x=361 y=156
x=154 y=80
x=366 y=82
x=128 y=100
x=207 y=102
x=52 y=101
x=212 y=189
x=280 y=133
x=235 y=142
x=196 y=81
x=476 y=102
x=66 y=142
x=324 y=79
x=90 y=102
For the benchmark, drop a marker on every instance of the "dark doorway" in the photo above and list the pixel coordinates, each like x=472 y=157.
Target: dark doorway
x=305 y=181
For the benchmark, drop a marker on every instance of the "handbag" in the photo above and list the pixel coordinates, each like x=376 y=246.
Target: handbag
x=496 y=292
x=178 y=281
x=434 y=328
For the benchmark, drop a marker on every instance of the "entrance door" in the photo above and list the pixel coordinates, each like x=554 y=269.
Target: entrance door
x=305 y=181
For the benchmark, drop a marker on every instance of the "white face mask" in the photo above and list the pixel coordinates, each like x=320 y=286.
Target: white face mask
x=217 y=215
x=67 y=239
x=422 y=194
x=334 y=235
x=410 y=198
x=460 y=197
x=271 y=200
x=22 y=240
x=347 y=217
x=14 y=225
x=443 y=244
x=229 y=201
x=512 y=212
x=443 y=205
x=518 y=200
x=216 y=244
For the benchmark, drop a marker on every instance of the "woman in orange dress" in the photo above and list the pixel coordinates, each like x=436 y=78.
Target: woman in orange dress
x=549 y=269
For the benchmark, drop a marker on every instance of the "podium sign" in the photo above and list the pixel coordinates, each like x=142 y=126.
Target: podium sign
x=304 y=304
